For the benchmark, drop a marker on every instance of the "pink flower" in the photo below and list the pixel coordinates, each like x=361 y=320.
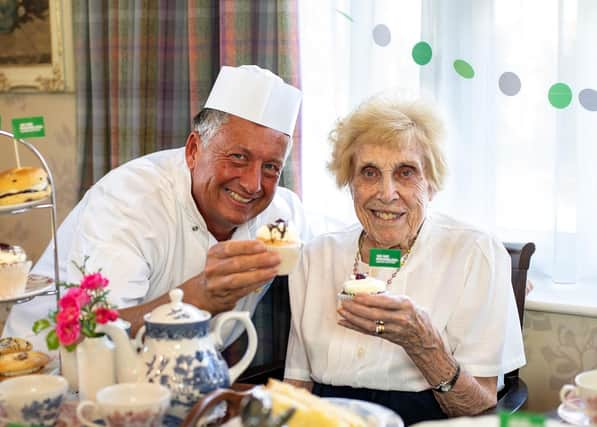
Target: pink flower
x=105 y=315
x=68 y=315
x=80 y=309
x=67 y=301
x=80 y=296
x=94 y=281
x=68 y=333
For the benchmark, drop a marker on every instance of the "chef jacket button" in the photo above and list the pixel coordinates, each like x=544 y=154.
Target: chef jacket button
x=195 y=227
x=361 y=352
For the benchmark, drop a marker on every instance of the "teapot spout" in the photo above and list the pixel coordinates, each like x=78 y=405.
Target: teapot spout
x=128 y=362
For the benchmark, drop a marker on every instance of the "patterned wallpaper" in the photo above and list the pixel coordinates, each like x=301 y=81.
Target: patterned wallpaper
x=31 y=230
x=558 y=346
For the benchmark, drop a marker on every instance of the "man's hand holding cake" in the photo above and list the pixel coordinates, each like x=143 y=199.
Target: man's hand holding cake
x=233 y=270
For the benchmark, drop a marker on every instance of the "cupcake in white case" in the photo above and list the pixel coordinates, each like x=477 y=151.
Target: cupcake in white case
x=14 y=269
x=361 y=283
x=281 y=237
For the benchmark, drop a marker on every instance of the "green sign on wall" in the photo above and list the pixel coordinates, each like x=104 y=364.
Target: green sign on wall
x=28 y=127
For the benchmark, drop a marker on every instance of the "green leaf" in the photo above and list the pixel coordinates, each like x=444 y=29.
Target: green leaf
x=83 y=267
x=52 y=340
x=71 y=348
x=88 y=328
x=40 y=325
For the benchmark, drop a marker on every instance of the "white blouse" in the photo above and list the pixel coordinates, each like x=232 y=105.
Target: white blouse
x=459 y=275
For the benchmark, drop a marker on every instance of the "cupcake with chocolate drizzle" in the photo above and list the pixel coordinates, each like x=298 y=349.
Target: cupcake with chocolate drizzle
x=281 y=237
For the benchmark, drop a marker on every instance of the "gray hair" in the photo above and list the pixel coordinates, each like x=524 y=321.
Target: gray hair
x=389 y=121
x=208 y=122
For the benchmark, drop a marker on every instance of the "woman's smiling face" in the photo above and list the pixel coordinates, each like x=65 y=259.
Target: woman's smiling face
x=390 y=192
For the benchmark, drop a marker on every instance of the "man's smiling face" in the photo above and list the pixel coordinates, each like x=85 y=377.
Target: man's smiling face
x=234 y=177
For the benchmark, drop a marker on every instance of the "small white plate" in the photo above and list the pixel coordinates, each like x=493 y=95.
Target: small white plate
x=36 y=284
x=577 y=418
x=10 y=208
x=375 y=415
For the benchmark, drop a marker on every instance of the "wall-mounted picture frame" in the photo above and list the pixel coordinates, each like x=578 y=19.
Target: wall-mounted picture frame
x=36 y=51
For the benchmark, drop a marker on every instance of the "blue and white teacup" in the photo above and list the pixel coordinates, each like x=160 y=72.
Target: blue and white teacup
x=126 y=404
x=32 y=399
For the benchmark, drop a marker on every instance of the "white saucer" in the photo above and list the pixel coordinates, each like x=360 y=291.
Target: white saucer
x=577 y=418
x=36 y=284
x=19 y=206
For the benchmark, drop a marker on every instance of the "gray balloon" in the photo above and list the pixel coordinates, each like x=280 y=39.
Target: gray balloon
x=382 y=35
x=588 y=99
x=509 y=83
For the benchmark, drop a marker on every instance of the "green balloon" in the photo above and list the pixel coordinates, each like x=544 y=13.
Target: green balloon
x=422 y=53
x=560 y=95
x=464 y=69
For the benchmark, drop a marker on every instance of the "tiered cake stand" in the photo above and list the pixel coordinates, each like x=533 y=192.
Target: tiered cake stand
x=39 y=204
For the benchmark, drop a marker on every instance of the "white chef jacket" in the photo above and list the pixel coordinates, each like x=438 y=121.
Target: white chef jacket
x=459 y=275
x=141 y=226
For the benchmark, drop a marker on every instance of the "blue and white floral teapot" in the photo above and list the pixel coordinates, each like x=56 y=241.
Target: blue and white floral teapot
x=179 y=351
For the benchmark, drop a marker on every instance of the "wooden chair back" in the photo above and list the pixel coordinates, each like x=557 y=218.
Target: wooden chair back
x=515 y=392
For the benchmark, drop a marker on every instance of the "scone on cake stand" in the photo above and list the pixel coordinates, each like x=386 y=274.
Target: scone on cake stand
x=18 y=358
x=281 y=237
x=23 y=185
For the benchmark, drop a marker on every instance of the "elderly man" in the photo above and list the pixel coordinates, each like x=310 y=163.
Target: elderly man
x=187 y=217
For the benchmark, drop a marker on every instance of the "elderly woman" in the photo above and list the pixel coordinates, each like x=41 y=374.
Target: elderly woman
x=434 y=344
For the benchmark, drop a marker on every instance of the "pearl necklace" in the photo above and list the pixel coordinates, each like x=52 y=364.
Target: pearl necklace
x=357 y=258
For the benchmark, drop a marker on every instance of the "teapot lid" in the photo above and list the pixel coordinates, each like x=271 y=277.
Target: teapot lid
x=177 y=311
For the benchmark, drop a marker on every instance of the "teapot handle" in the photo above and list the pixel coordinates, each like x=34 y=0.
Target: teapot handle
x=244 y=317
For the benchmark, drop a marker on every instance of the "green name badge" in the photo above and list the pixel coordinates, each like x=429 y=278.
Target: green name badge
x=384 y=258
x=28 y=127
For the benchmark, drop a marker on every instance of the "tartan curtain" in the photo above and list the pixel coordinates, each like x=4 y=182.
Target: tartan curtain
x=145 y=68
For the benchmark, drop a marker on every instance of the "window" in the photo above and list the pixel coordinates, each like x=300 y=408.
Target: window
x=519 y=166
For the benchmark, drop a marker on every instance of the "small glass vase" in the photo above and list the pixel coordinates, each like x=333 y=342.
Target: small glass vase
x=95 y=366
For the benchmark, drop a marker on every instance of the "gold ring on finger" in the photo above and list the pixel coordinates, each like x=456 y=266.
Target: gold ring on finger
x=379 y=327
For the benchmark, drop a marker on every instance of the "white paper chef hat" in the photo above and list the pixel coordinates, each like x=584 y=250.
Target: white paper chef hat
x=257 y=95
